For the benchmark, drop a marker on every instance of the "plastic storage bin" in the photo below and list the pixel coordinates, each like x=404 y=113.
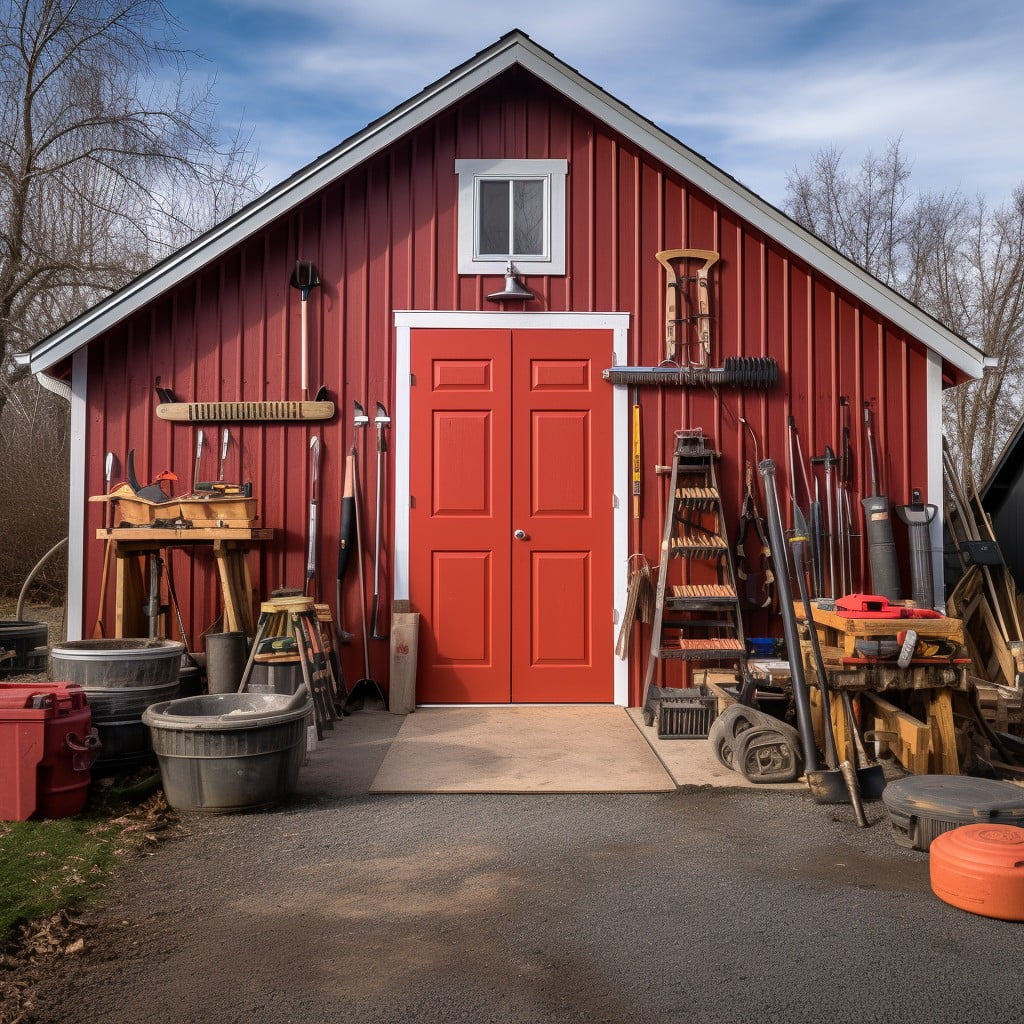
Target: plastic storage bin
x=922 y=807
x=47 y=748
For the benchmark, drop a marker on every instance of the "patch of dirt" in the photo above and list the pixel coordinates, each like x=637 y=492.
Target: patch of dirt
x=38 y=949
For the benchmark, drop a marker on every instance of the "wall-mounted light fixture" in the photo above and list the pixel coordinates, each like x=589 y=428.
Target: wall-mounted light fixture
x=514 y=289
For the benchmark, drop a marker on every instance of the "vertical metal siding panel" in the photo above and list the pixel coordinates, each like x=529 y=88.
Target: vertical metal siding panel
x=582 y=250
x=799 y=347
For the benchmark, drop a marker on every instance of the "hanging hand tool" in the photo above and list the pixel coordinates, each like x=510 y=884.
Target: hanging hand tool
x=345 y=539
x=635 y=454
x=844 y=513
x=381 y=420
x=828 y=535
x=151 y=492
x=200 y=441
x=305 y=278
x=885 y=572
x=314 y=509
x=99 y=629
x=225 y=439
x=813 y=506
x=354 y=701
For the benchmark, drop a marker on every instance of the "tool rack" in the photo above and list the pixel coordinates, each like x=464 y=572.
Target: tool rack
x=231 y=547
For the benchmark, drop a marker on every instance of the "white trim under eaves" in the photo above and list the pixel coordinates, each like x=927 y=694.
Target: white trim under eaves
x=618 y=324
x=76 y=496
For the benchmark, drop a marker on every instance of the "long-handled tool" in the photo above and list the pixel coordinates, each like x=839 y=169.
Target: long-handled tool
x=99 y=629
x=844 y=768
x=825 y=786
x=225 y=440
x=870 y=774
x=885 y=571
x=305 y=278
x=354 y=701
x=345 y=538
x=381 y=421
x=200 y=441
x=314 y=512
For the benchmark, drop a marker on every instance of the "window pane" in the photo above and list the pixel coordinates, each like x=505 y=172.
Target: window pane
x=528 y=197
x=494 y=218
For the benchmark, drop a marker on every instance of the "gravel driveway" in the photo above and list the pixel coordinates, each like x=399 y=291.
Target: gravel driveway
x=691 y=906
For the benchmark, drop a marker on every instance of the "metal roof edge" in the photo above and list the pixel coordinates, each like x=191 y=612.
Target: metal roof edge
x=515 y=47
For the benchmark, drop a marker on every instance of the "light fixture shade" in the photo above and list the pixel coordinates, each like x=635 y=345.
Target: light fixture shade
x=513 y=290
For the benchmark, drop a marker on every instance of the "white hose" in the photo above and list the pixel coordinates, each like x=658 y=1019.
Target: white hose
x=32 y=575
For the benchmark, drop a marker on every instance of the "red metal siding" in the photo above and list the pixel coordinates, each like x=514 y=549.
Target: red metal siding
x=384 y=238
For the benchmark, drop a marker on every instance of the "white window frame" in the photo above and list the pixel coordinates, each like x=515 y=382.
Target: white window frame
x=553 y=174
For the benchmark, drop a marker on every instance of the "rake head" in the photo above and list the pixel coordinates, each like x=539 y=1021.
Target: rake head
x=738 y=372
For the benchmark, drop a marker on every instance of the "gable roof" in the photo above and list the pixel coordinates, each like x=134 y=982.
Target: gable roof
x=514 y=48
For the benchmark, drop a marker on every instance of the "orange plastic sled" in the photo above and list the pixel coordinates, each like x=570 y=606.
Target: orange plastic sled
x=980 y=868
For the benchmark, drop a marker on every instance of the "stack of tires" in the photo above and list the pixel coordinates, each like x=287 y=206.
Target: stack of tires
x=759 y=746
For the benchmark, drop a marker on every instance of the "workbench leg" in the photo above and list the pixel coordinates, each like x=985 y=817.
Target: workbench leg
x=943 y=757
x=236 y=588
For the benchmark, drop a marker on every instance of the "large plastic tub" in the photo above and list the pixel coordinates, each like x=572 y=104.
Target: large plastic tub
x=230 y=752
x=922 y=807
x=47 y=748
x=980 y=868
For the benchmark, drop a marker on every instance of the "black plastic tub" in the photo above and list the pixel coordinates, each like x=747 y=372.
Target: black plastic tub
x=922 y=807
x=230 y=752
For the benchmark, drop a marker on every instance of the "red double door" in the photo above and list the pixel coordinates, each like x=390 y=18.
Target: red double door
x=511 y=520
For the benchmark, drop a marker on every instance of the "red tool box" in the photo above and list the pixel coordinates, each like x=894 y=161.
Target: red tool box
x=47 y=748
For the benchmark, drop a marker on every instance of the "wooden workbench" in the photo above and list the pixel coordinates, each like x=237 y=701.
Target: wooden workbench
x=912 y=708
x=231 y=546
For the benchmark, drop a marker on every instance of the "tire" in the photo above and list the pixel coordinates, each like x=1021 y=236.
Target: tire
x=769 y=754
x=730 y=724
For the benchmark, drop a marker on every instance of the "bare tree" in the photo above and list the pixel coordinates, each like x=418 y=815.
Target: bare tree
x=107 y=159
x=959 y=259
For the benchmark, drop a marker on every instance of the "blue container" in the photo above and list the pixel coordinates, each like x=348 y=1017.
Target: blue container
x=762 y=646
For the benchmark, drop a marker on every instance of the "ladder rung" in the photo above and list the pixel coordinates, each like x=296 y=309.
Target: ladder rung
x=701 y=494
x=704 y=591
x=724 y=644
x=699 y=542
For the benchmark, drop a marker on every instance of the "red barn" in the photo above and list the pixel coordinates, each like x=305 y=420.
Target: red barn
x=507 y=515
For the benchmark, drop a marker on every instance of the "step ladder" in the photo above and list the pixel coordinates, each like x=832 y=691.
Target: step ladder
x=294 y=620
x=697 y=615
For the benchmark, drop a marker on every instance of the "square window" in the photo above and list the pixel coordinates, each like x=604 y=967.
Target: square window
x=511 y=210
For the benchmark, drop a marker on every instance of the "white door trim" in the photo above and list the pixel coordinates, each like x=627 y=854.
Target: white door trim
x=618 y=324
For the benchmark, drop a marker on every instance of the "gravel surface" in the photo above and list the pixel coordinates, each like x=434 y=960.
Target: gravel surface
x=710 y=905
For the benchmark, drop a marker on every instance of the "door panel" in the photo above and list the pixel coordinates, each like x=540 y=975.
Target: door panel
x=458 y=486
x=511 y=431
x=562 y=573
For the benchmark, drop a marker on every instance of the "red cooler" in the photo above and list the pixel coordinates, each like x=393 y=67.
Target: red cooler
x=47 y=747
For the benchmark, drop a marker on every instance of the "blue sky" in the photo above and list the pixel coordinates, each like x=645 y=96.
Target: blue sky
x=755 y=86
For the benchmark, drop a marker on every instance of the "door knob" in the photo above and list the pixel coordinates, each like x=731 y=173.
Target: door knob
x=519 y=535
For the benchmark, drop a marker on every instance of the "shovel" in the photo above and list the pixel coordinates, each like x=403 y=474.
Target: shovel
x=305 y=279
x=870 y=774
